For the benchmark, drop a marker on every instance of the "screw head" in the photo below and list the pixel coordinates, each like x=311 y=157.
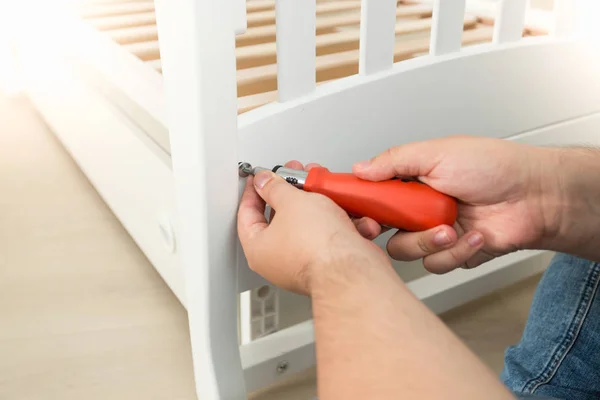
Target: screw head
x=282 y=367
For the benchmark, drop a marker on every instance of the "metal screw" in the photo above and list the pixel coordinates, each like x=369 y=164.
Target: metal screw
x=282 y=367
x=244 y=169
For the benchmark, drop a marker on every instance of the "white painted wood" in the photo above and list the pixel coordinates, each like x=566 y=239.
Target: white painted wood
x=536 y=20
x=510 y=22
x=398 y=104
x=377 y=35
x=447 y=29
x=565 y=17
x=387 y=108
x=111 y=151
x=296 y=347
x=240 y=23
x=197 y=42
x=296 y=53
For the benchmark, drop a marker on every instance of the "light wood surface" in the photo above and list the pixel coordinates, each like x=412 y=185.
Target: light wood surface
x=83 y=315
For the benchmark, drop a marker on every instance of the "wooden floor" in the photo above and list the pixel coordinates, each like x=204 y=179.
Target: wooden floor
x=83 y=315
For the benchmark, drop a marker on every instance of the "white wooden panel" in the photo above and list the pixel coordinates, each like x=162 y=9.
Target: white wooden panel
x=446 y=32
x=197 y=44
x=510 y=22
x=496 y=93
x=439 y=292
x=296 y=51
x=377 y=35
x=295 y=345
x=111 y=152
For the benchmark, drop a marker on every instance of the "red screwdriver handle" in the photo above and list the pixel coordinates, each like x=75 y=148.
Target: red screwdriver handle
x=410 y=206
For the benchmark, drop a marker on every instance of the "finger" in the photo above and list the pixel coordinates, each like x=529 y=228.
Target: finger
x=274 y=190
x=452 y=258
x=309 y=166
x=409 y=160
x=251 y=213
x=290 y=164
x=410 y=246
x=368 y=228
x=294 y=165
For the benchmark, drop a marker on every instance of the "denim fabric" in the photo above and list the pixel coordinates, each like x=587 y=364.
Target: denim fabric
x=558 y=355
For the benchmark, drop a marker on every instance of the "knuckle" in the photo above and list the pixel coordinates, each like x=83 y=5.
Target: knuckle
x=423 y=245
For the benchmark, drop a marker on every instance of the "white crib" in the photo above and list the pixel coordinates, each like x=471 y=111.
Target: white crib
x=159 y=130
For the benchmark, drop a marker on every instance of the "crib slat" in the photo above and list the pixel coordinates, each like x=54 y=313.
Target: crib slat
x=447 y=27
x=265 y=53
x=123 y=21
x=339 y=65
x=264 y=34
x=296 y=35
x=377 y=36
x=106 y=10
x=134 y=34
x=565 y=17
x=510 y=23
x=268 y=17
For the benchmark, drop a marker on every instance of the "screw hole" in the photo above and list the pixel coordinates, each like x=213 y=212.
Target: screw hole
x=263 y=292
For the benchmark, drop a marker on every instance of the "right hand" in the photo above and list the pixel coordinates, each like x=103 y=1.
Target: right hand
x=499 y=187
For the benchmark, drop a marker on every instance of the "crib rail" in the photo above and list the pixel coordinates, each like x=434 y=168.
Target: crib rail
x=291 y=47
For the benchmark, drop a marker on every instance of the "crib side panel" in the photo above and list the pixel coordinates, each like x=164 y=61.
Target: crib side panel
x=489 y=90
x=197 y=39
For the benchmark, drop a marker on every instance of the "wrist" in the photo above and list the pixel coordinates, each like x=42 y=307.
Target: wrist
x=545 y=196
x=349 y=263
x=569 y=200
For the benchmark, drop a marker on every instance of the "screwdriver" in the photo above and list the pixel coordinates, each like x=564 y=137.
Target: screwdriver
x=405 y=205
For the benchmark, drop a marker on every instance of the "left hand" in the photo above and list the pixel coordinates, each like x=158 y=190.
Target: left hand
x=309 y=238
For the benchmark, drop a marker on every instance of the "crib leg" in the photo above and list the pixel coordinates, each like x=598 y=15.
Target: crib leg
x=197 y=46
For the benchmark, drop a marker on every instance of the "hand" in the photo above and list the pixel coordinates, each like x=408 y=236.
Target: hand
x=498 y=183
x=308 y=239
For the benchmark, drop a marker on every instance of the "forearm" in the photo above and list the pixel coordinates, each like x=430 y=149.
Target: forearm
x=375 y=340
x=573 y=177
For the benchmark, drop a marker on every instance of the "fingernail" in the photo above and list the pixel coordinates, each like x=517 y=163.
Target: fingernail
x=362 y=165
x=441 y=238
x=475 y=239
x=261 y=179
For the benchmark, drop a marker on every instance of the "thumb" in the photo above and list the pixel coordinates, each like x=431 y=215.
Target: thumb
x=273 y=189
x=410 y=160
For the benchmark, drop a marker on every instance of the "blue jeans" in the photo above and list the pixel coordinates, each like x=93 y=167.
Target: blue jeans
x=558 y=356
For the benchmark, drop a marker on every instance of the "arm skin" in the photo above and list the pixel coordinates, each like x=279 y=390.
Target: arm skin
x=372 y=331
x=572 y=207
x=376 y=340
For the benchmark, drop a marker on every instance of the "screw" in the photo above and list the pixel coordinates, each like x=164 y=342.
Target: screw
x=282 y=367
x=245 y=169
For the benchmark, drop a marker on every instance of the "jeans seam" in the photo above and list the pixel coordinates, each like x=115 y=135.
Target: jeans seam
x=569 y=339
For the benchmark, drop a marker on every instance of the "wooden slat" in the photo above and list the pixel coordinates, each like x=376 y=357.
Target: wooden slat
x=252 y=56
x=447 y=28
x=123 y=21
x=254 y=19
x=134 y=34
x=266 y=53
x=108 y=10
x=268 y=17
x=338 y=65
x=265 y=34
x=510 y=23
